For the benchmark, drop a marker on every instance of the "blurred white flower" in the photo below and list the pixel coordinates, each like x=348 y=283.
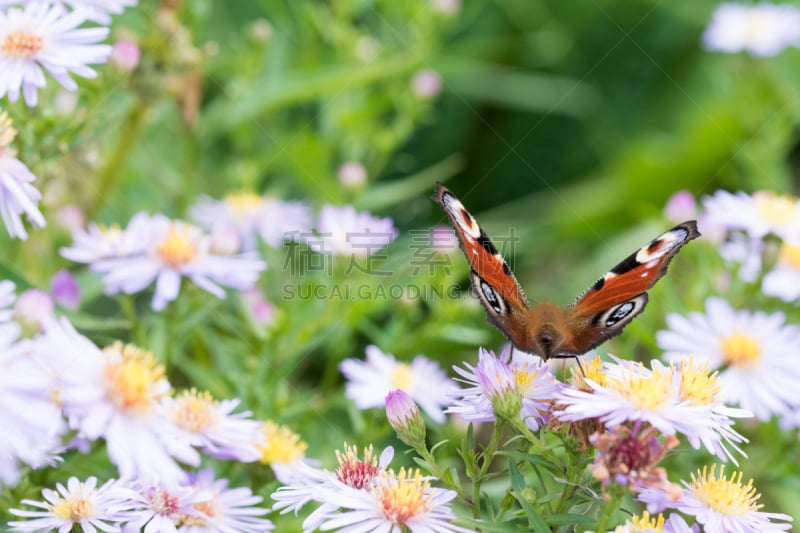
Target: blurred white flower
x=762 y=30
x=783 y=281
x=44 y=36
x=344 y=231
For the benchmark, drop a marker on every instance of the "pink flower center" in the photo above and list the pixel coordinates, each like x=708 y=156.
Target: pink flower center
x=22 y=45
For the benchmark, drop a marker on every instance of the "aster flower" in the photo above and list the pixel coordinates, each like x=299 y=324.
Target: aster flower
x=757 y=214
x=403 y=501
x=784 y=280
x=43 y=36
x=504 y=378
x=227 y=509
x=175 y=249
x=108 y=242
x=721 y=503
x=115 y=394
x=763 y=30
x=282 y=449
x=405 y=418
x=18 y=196
x=661 y=397
x=656 y=524
x=368 y=382
x=32 y=423
x=754 y=350
x=209 y=424
x=79 y=504
x=243 y=216
x=344 y=231
x=158 y=507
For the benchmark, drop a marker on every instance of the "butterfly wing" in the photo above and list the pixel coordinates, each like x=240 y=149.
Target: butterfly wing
x=615 y=299
x=497 y=288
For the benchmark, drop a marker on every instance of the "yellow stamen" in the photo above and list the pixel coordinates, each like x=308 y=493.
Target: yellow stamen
x=7 y=131
x=131 y=376
x=593 y=368
x=790 y=255
x=726 y=496
x=199 y=521
x=401 y=377
x=194 y=411
x=401 y=496
x=643 y=391
x=644 y=523
x=243 y=203
x=356 y=472
x=282 y=446
x=697 y=385
x=22 y=45
x=740 y=350
x=179 y=247
x=776 y=209
x=76 y=507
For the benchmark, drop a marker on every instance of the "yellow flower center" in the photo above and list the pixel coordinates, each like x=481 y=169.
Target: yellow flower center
x=178 y=248
x=726 y=496
x=282 y=446
x=22 y=45
x=740 y=350
x=790 y=255
x=194 y=411
x=130 y=380
x=697 y=386
x=755 y=27
x=778 y=210
x=7 y=131
x=593 y=368
x=243 y=203
x=401 y=377
x=644 y=392
x=644 y=523
x=402 y=497
x=205 y=507
x=75 y=508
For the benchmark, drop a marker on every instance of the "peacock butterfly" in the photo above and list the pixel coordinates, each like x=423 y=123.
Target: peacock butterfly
x=545 y=329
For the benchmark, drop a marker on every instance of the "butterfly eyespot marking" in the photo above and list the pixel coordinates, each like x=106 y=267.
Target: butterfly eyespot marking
x=619 y=313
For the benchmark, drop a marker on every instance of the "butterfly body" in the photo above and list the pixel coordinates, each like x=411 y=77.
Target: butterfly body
x=546 y=329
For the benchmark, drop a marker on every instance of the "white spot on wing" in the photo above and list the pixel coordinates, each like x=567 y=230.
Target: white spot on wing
x=469 y=227
x=666 y=243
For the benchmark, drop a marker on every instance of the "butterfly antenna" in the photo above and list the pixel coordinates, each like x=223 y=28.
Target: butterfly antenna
x=578 y=361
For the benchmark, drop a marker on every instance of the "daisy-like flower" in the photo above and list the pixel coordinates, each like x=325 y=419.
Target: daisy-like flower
x=656 y=524
x=722 y=503
x=209 y=424
x=368 y=382
x=784 y=280
x=762 y=30
x=661 y=397
x=115 y=394
x=403 y=501
x=312 y=484
x=754 y=350
x=757 y=214
x=18 y=196
x=79 y=504
x=95 y=10
x=43 y=36
x=226 y=510
x=282 y=449
x=243 y=216
x=504 y=379
x=32 y=422
x=346 y=232
x=159 y=507
x=108 y=242
x=175 y=249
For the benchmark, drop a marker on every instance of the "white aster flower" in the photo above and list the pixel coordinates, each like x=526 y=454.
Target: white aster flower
x=79 y=504
x=757 y=214
x=656 y=524
x=784 y=280
x=344 y=231
x=755 y=351
x=525 y=378
x=32 y=422
x=721 y=504
x=227 y=510
x=18 y=196
x=368 y=382
x=763 y=30
x=283 y=450
x=244 y=216
x=160 y=507
x=109 y=242
x=671 y=399
x=176 y=249
x=396 y=502
x=114 y=394
x=42 y=36
x=210 y=425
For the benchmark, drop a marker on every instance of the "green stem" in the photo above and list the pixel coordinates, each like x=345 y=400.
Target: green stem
x=488 y=457
x=607 y=514
x=437 y=471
